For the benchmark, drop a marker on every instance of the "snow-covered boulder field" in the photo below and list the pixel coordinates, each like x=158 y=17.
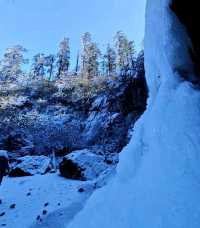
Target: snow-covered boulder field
x=158 y=177
x=30 y=165
x=84 y=165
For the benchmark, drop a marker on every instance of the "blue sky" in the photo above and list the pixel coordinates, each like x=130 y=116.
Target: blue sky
x=39 y=25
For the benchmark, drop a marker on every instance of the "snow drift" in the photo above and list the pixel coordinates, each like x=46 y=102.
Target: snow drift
x=158 y=178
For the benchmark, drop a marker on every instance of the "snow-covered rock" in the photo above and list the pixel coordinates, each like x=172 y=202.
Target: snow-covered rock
x=4 y=153
x=30 y=165
x=99 y=103
x=83 y=165
x=21 y=102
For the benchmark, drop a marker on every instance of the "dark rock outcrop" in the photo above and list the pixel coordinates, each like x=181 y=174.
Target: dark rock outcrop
x=188 y=14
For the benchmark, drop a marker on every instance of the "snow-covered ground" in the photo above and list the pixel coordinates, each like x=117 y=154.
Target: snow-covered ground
x=41 y=201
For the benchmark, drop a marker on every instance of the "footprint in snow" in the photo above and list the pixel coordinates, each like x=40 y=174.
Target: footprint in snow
x=2 y=214
x=12 y=206
x=44 y=212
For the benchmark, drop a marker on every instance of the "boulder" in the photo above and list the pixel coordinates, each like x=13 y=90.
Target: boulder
x=30 y=165
x=83 y=165
x=22 y=102
x=4 y=153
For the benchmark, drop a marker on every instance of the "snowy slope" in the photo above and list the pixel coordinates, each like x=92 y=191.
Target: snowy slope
x=158 y=180
x=34 y=196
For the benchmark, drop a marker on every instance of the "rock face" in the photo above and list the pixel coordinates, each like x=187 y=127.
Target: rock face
x=30 y=165
x=43 y=118
x=115 y=109
x=83 y=165
x=4 y=165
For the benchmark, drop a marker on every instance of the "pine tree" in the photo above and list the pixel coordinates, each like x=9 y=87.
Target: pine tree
x=86 y=43
x=10 y=65
x=77 y=63
x=125 y=54
x=89 y=58
x=122 y=48
x=131 y=58
x=63 y=62
x=110 y=61
x=103 y=66
x=38 y=66
x=93 y=66
x=49 y=63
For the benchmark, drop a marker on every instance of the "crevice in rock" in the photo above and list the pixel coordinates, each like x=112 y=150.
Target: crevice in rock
x=188 y=14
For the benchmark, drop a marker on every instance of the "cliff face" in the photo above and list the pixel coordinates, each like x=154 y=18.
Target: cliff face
x=39 y=119
x=157 y=184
